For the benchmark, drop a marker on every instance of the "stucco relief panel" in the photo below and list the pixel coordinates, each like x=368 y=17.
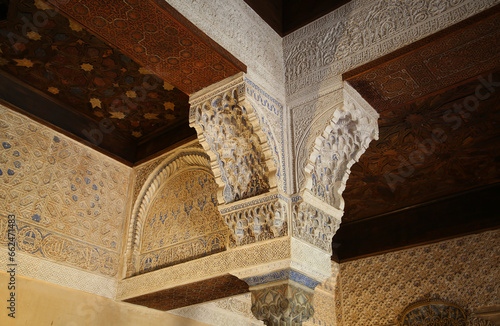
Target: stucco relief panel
x=69 y=201
x=183 y=221
x=362 y=31
x=375 y=290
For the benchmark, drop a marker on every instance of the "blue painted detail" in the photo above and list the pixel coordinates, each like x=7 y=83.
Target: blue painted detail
x=56 y=139
x=1 y=172
x=36 y=218
x=75 y=197
x=92 y=205
x=96 y=198
x=94 y=187
x=282 y=275
x=17 y=164
x=73 y=187
x=303 y=279
x=10 y=172
x=87 y=180
x=16 y=153
x=6 y=145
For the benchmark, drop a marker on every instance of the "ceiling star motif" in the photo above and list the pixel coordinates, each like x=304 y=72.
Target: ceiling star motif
x=67 y=63
x=141 y=29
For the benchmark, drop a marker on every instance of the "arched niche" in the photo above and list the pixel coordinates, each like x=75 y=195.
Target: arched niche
x=175 y=218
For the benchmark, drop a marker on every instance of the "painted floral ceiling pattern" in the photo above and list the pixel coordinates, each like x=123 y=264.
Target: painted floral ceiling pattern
x=58 y=57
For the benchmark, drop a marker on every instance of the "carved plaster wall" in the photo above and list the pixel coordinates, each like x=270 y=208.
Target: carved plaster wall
x=362 y=31
x=262 y=218
x=69 y=200
x=376 y=290
x=344 y=140
x=230 y=131
x=318 y=54
x=175 y=218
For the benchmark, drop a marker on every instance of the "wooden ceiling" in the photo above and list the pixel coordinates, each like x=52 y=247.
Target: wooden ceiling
x=110 y=82
x=438 y=155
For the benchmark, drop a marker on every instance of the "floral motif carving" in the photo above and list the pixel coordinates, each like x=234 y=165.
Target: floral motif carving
x=185 y=227
x=362 y=31
x=342 y=143
x=283 y=305
x=312 y=225
x=258 y=220
x=229 y=130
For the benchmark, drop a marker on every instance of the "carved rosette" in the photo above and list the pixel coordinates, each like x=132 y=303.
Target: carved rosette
x=229 y=130
x=340 y=146
x=259 y=219
x=283 y=305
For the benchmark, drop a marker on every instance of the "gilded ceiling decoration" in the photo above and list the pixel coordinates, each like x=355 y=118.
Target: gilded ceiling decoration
x=58 y=57
x=157 y=36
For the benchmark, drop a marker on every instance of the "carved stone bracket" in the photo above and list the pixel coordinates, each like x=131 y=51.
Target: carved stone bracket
x=340 y=146
x=257 y=219
x=230 y=132
x=282 y=298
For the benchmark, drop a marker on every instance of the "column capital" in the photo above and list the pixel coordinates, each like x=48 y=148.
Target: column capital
x=282 y=298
